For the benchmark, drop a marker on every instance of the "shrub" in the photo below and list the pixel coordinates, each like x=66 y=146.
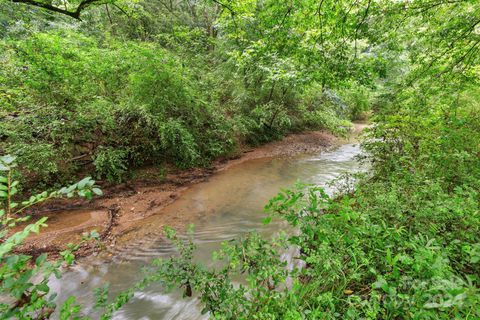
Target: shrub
x=111 y=163
x=106 y=99
x=178 y=143
x=266 y=122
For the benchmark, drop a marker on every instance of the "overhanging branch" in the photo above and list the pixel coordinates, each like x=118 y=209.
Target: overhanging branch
x=74 y=14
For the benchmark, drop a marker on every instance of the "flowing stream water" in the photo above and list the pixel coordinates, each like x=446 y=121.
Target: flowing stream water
x=228 y=205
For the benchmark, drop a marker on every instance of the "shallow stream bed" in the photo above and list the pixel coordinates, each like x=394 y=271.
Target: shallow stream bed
x=228 y=205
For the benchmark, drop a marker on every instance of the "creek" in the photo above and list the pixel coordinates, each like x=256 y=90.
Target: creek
x=228 y=205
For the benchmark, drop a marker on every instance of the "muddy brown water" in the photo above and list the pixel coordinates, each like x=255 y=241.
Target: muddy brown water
x=226 y=206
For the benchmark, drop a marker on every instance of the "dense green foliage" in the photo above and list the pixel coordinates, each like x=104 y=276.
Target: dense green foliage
x=120 y=104
x=184 y=82
x=403 y=242
x=109 y=98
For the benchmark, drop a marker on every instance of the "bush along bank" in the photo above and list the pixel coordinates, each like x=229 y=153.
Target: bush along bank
x=107 y=108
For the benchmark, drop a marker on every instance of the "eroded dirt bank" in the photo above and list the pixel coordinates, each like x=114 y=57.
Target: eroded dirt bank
x=124 y=209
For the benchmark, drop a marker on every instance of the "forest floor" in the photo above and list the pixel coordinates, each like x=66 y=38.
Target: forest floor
x=124 y=207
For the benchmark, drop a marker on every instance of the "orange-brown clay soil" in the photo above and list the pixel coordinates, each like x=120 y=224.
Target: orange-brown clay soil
x=124 y=207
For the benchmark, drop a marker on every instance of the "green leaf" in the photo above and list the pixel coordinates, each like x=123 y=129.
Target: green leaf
x=97 y=191
x=41 y=259
x=88 y=194
x=7 y=159
x=83 y=182
x=43 y=287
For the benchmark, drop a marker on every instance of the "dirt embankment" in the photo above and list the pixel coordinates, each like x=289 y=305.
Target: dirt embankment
x=123 y=207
